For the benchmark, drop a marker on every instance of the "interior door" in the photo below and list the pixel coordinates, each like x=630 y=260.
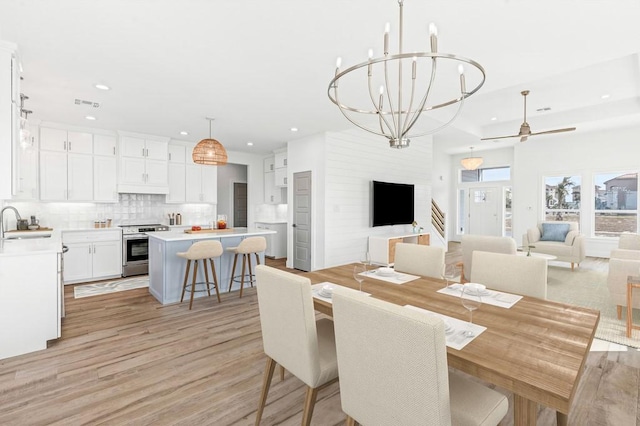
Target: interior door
x=484 y=211
x=302 y=221
x=239 y=205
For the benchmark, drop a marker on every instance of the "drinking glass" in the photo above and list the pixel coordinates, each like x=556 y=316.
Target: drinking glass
x=357 y=270
x=449 y=272
x=471 y=300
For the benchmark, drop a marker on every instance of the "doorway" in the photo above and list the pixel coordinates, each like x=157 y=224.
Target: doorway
x=485 y=205
x=240 y=204
x=302 y=221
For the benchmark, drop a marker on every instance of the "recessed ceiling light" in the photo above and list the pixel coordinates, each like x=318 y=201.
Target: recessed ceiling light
x=249 y=143
x=494 y=118
x=294 y=129
x=183 y=133
x=90 y=117
x=606 y=96
x=102 y=87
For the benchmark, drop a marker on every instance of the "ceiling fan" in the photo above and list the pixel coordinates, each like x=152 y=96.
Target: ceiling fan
x=525 y=130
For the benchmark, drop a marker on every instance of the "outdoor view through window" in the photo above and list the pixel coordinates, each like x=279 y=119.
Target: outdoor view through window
x=616 y=203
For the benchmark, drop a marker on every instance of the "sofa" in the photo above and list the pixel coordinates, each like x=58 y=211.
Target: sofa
x=560 y=239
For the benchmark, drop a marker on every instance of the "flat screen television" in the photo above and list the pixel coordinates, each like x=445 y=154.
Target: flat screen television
x=392 y=204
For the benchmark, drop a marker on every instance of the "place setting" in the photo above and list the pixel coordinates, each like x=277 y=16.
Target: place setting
x=476 y=291
x=389 y=275
x=324 y=290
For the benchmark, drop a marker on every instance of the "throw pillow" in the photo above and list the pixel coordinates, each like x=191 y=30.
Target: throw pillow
x=554 y=231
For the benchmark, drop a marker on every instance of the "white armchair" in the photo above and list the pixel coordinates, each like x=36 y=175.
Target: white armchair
x=624 y=261
x=549 y=238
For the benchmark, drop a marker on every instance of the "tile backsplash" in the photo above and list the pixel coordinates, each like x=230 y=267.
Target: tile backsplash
x=131 y=209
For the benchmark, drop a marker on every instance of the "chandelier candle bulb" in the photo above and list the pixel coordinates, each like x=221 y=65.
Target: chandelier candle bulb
x=387 y=28
x=370 y=54
x=413 y=67
x=433 y=36
x=463 y=86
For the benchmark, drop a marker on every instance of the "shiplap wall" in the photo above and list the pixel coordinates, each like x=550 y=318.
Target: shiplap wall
x=352 y=160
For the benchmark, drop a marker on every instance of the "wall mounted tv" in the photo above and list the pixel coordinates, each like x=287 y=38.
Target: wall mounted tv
x=392 y=204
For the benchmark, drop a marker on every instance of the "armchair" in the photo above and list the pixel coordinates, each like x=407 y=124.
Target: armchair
x=624 y=261
x=560 y=239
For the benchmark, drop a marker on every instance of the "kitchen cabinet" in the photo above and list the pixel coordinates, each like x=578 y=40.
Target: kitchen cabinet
x=144 y=165
x=65 y=176
x=177 y=174
x=201 y=184
x=280 y=177
x=92 y=255
x=62 y=140
x=272 y=193
x=269 y=164
x=9 y=117
x=382 y=249
x=276 y=243
x=105 y=179
x=280 y=160
x=30 y=299
x=105 y=145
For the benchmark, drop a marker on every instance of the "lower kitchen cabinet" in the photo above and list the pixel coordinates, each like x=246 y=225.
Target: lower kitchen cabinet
x=276 y=243
x=92 y=255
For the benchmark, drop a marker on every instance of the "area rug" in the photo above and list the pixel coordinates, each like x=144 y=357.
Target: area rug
x=106 y=287
x=587 y=287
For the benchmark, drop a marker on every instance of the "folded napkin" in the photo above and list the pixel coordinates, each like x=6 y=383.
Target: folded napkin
x=316 y=291
x=454 y=329
x=395 y=278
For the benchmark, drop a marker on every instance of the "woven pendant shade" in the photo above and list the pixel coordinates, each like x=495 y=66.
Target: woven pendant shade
x=209 y=152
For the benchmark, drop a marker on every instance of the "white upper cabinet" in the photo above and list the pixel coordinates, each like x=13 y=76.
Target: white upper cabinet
x=281 y=160
x=9 y=117
x=144 y=166
x=269 y=164
x=105 y=145
x=177 y=177
x=62 y=140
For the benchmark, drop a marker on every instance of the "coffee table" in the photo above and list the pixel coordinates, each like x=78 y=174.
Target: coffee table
x=540 y=255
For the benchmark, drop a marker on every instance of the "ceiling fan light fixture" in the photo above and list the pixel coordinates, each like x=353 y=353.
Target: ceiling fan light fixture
x=471 y=162
x=209 y=152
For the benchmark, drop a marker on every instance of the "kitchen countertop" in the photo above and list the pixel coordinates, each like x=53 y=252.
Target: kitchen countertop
x=183 y=236
x=272 y=222
x=27 y=246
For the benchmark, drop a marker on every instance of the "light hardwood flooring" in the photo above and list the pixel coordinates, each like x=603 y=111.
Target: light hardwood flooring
x=125 y=359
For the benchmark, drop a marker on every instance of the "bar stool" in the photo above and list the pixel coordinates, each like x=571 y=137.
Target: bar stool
x=246 y=247
x=202 y=250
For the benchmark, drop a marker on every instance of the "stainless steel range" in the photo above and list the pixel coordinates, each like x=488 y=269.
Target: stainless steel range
x=135 y=248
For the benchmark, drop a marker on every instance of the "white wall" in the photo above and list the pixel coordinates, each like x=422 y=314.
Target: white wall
x=576 y=153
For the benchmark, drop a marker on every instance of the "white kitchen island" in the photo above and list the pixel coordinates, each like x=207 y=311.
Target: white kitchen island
x=166 y=269
x=30 y=294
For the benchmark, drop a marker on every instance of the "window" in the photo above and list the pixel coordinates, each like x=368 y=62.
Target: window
x=562 y=198
x=492 y=174
x=616 y=203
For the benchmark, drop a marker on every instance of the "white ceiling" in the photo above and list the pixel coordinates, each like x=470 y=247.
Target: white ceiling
x=262 y=67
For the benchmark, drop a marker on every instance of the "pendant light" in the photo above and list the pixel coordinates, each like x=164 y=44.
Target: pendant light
x=471 y=162
x=209 y=152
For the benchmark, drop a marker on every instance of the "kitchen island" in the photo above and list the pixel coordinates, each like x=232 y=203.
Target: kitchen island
x=30 y=294
x=166 y=269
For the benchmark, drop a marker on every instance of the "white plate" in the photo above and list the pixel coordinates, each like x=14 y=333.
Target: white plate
x=476 y=289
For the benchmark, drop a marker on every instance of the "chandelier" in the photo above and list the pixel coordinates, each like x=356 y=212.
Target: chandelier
x=471 y=162
x=209 y=152
x=402 y=86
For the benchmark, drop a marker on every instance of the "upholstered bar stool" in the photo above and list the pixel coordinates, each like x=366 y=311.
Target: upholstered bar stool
x=202 y=250
x=247 y=247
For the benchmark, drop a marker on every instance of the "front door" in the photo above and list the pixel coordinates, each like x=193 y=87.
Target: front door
x=484 y=211
x=302 y=221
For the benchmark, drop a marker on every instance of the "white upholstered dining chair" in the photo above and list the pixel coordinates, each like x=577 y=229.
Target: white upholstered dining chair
x=525 y=275
x=471 y=243
x=418 y=259
x=292 y=337
x=393 y=368
x=624 y=261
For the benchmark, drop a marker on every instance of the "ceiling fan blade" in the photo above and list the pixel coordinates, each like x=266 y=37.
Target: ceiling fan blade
x=499 y=137
x=567 y=129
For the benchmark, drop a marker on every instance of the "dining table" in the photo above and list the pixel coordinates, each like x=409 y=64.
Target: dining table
x=535 y=349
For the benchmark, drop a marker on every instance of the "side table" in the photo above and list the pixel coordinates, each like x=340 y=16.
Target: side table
x=632 y=282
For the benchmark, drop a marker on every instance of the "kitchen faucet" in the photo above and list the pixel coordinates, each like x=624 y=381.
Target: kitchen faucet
x=18 y=217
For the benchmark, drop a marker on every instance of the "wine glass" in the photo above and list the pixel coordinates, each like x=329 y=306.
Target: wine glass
x=471 y=300
x=449 y=272
x=360 y=268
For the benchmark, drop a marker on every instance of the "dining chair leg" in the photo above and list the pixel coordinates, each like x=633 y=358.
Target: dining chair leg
x=233 y=271
x=561 y=419
x=266 y=382
x=186 y=277
x=244 y=261
x=193 y=283
x=281 y=373
x=309 y=404
x=350 y=421
x=206 y=275
x=215 y=279
x=619 y=309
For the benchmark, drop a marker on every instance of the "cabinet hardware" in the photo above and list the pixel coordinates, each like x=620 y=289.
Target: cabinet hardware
x=285 y=181
x=143 y=152
x=65 y=145
x=285 y=161
x=69 y=145
x=114 y=150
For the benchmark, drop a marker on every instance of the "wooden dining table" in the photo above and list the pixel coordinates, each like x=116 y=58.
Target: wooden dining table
x=536 y=349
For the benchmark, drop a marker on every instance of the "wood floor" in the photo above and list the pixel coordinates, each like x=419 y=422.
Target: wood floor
x=125 y=359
